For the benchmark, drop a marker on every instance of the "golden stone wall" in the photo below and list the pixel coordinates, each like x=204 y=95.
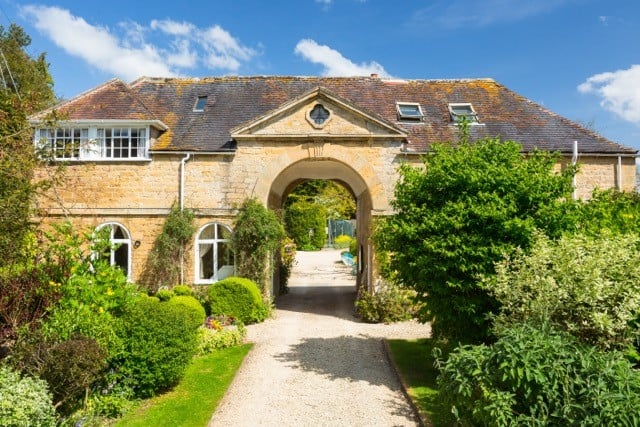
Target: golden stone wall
x=138 y=195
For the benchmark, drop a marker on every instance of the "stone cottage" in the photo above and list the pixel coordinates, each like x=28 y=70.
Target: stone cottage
x=206 y=144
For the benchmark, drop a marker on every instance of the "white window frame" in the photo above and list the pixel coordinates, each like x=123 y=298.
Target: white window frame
x=116 y=243
x=472 y=117
x=56 y=141
x=96 y=146
x=201 y=102
x=214 y=243
x=411 y=117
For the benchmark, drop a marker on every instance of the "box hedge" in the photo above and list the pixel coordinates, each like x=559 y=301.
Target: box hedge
x=237 y=297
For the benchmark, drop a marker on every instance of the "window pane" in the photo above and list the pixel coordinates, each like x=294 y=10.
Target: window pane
x=121 y=257
x=206 y=260
x=224 y=233
x=208 y=233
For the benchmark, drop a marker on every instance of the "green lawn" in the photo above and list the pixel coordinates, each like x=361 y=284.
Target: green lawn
x=194 y=400
x=414 y=360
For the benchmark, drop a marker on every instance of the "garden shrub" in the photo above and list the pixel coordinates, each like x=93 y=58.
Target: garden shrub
x=389 y=304
x=535 y=375
x=24 y=401
x=210 y=339
x=183 y=290
x=353 y=247
x=458 y=214
x=159 y=341
x=196 y=309
x=299 y=218
x=287 y=261
x=69 y=367
x=342 y=241
x=237 y=297
x=164 y=294
x=586 y=286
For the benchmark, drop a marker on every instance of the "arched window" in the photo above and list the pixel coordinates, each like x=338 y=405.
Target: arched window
x=214 y=256
x=120 y=252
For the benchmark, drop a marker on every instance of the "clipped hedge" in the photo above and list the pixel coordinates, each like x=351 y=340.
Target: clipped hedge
x=237 y=297
x=24 y=401
x=192 y=304
x=159 y=341
x=301 y=217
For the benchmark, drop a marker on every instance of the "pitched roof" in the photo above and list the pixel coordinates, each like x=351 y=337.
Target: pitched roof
x=234 y=101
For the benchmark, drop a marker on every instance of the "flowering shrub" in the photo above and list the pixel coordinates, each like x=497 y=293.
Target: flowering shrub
x=212 y=339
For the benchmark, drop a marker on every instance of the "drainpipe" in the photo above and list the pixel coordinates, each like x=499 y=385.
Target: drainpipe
x=619 y=181
x=574 y=160
x=183 y=162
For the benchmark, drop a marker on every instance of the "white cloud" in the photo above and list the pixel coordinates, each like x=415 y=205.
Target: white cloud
x=471 y=13
x=619 y=92
x=128 y=55
x=334 y=63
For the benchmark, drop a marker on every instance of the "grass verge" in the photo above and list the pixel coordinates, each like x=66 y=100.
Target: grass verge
x=193 y=401
x=414 y=359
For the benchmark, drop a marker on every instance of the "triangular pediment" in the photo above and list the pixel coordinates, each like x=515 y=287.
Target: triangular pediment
x=318 y=114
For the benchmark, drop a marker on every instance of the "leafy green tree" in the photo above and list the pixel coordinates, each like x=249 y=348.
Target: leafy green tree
x=334 y=197
x=306 y=224
x=469 y=205
x=25 y=87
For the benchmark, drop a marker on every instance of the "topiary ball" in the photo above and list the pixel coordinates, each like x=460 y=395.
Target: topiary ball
x=237 y=297
x=192 y=304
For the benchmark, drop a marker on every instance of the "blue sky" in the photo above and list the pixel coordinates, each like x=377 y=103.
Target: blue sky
x=578 y=58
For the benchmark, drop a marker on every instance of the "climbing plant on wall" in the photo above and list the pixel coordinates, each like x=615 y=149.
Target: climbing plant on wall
x=258 y=233
x=165 y=260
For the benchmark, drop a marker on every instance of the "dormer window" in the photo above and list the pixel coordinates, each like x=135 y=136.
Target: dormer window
x=462 y=111
x=200 y=103
x=409 y=111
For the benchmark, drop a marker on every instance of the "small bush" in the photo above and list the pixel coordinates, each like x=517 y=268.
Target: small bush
x=159 y=341
x=342 y=241
x=191 y=303
x=237 y=297
x=210 y=340
x=69 y=367
x=389 y=304
x=24 y=401
x=535 y=375
x=353 y=247
x=183 y=290
x=165 y=295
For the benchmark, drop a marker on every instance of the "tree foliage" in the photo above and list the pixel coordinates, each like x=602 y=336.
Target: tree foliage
x=165 y=260
x=25 y=87
x=257 y=234
x=334 y=197
x=306 y=223
x=588 y=287
x=468 y=206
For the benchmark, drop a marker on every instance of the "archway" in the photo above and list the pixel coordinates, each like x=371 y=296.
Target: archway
x=331 y=169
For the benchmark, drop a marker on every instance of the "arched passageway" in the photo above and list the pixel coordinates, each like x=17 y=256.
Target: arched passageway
x=331 y=169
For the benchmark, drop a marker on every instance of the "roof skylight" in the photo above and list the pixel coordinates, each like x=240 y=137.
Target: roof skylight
x=200 y=103
x=409 y=111
x=460 y=111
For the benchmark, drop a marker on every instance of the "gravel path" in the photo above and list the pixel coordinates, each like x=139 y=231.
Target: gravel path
x=314 y=364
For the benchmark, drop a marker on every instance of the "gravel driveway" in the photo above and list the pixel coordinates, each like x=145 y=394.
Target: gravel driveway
x=314 y=364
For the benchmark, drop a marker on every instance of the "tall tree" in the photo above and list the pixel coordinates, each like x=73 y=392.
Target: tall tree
x=25 y=87
x=469 y=205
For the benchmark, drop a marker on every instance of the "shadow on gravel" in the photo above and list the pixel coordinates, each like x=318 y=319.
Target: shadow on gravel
x=334 y=301
x=346 y=357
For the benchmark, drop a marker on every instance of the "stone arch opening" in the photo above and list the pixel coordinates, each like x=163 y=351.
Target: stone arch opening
x=331 y=169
